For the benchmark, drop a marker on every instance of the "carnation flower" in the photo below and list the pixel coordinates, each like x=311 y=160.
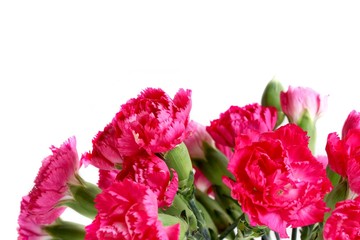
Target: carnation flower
x=196 y=139
x=39 y=207
x=128 y=210
x=343 y=153
x=162 y=175
x=151 y=123
x=251 y=119
x=296 y=101
x=344 y=221
x=153 y=173
x=107 y=177
x=278 y=182
x=351 y=122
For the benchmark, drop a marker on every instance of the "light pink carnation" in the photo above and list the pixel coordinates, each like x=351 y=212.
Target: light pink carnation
x=195 y=141
x=51 y=185
x=297 y=100
x=344 y=221
x=278 y=182
x=128 y=210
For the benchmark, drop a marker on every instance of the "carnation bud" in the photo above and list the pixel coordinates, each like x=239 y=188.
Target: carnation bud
x=271 y=98
x=308 y=125
x=66 y=230
x=179 y=159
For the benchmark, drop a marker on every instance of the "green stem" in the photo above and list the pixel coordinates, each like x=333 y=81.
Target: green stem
x=229 y=229
x=200 y=219
x=294 y=234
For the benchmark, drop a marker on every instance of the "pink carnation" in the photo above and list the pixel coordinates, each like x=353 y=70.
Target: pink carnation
x=29 y=229
x=278 y=182
x=344 y=221
x=153 y=173
x=107 y=177
x=128 y=210
x=251 y=120
x=195 y=141
x=51 y=185
x=343 y=155
x=351 y=122
x=105 y=154
x=151 y=123
x=297 y=100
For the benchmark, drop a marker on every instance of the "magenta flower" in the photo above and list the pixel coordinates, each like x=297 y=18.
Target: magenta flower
x=351 y=122
x=278 y=182
x=51 y=185
x=128 y=210
x=251 y=120
x=28 y=228
x=151 y=123
x=344 y=221
x=343 y=155
x=105 y=154
x=107 y=177
x=297 y=100
x=153 y=173
x=195 y=141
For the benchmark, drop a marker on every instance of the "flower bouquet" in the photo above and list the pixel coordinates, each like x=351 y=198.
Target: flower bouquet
x=250 y=174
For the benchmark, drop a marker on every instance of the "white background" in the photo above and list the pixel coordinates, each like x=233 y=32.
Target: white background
x=67 y=66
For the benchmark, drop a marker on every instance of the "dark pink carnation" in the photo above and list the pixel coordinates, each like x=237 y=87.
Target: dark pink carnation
x=351 y=122
x=344 y=158
x=107 y=177
x=251 y=120
x=296 y=100
x=278 y=182
x=128 y=210
x=151 y=123
x=51 y=185
x=344 y=221
x=105 y=153
x=153 y=173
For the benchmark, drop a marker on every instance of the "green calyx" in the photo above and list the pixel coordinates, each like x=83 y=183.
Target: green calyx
x=65 y=230
x=179 y=159
x=271 y=98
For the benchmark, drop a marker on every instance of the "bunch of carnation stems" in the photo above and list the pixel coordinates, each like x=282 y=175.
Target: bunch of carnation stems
x=252 y=173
